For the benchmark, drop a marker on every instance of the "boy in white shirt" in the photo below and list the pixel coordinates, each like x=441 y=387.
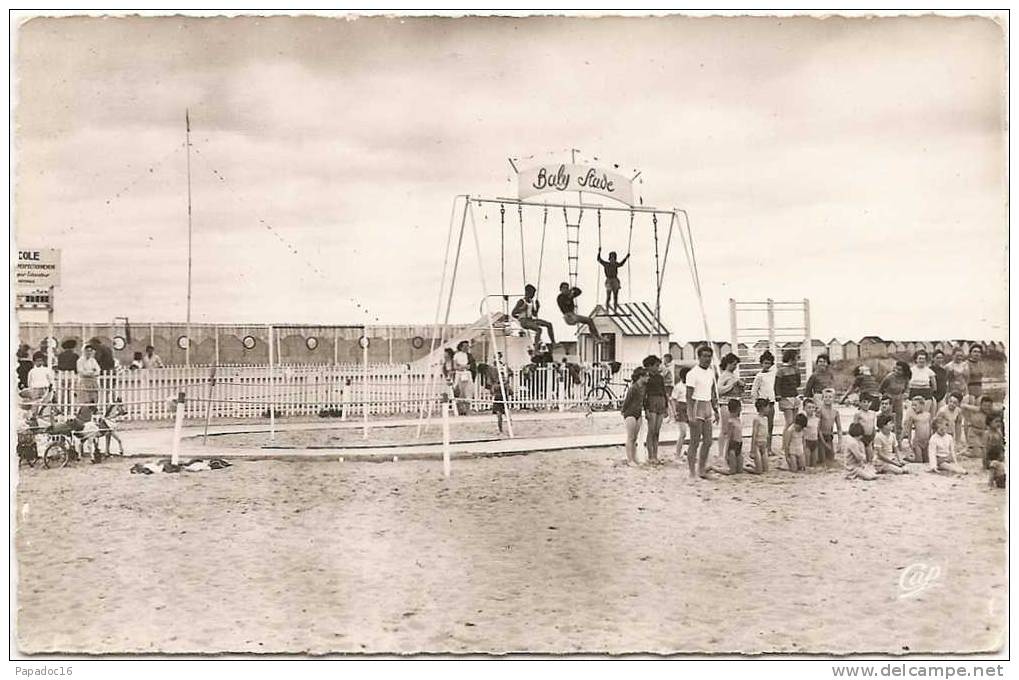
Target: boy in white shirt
x=40 y=384
x=701 y=411
x=941 y=450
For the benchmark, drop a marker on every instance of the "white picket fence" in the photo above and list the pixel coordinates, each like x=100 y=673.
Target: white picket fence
x=309 y=390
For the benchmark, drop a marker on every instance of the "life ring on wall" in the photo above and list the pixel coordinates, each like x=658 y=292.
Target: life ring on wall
x=363 y=342
x=119 y=343
x=311 y=343
x=182 y=342
x=248 y=342
x=417 y=342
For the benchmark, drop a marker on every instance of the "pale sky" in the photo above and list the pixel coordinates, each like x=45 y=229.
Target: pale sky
x=856 y=162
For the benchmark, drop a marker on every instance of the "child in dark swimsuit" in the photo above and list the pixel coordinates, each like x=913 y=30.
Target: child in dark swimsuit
x=656 y=405
x=568 y=306
x=611 y=267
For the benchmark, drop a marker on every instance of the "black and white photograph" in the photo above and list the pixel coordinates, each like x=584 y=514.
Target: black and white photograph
x=509 y=334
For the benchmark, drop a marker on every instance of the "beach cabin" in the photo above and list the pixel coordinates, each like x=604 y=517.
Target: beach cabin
x=817 y=348
x=851 y=350
x=835 y=348
x=632 y=332
x=871 y=346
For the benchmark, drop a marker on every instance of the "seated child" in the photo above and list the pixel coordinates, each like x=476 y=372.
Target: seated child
x=857 y=465
x=829 y=424
x=793 y=444
x=886 y=454
x=916 y=430
x=734 y=439
x=942 y=450
x=867 y=419
x=632 y=409
x=810 y=432
x=759 y=440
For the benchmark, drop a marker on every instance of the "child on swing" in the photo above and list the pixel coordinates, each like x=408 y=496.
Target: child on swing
x=568 y=306
x=525 y=311
x=611 y=267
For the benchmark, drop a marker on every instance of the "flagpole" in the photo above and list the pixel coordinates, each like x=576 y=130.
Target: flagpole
x=187 y=348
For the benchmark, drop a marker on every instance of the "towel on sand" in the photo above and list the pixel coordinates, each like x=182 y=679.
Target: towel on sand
x=193 y=465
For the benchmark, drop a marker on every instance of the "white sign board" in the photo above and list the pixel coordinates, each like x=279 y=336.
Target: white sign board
x=37 y=269
x=574 y=177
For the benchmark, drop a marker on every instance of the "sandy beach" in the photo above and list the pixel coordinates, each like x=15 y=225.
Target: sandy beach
x=550 y=552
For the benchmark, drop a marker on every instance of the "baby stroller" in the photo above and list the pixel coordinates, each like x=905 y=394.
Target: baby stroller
x=56 y=448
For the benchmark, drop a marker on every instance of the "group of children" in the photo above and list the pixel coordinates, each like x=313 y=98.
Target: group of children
x=872 y=444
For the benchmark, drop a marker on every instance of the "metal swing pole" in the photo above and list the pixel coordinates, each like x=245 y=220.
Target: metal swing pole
x=523 y=259
x=491 y=328
x=429 y=383
x=452 y=283
x=658 y=285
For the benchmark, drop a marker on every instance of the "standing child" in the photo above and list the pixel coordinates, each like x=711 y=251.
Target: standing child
x=632 y=408
x=498 y=403
x=611 y=267
x=792 y=444
x=942 y=451
x=787 y=385
x=656 y=405
x=810 y=433
x=864 y=384
x=867 y=419
x=857 y=466
x=701 y=412
x=760 y=442
x=679 y=411
x=734 y=439
x=953 y=414
x=829 y=425
x=916 y=430
x=886 y=456
x=976 y=419
x=995 y=441
x=885 y=408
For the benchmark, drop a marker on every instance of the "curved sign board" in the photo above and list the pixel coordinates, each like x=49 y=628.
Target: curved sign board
x=574 y=177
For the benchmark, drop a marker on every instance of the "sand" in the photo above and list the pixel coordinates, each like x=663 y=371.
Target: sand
x=550 y=552
x=461 y=430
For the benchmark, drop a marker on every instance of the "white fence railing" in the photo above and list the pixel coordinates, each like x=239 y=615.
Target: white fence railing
x=308 y=390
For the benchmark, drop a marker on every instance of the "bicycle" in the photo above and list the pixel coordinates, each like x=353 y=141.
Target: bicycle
x=601 y=396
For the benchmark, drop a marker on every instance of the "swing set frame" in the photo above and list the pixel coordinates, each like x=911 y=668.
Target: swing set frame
x=463 y=208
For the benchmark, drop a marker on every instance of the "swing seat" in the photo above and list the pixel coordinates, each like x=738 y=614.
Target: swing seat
x=509 y=327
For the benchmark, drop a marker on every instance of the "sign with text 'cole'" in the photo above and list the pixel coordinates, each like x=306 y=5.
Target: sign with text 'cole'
x=574 y=177
x=37 y=269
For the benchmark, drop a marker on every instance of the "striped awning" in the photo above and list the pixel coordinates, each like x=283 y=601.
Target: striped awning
x=632 y=318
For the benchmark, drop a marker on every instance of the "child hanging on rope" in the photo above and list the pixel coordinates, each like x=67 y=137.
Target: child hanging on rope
x=526 y=312
x=568 y=306
x=611 y=267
